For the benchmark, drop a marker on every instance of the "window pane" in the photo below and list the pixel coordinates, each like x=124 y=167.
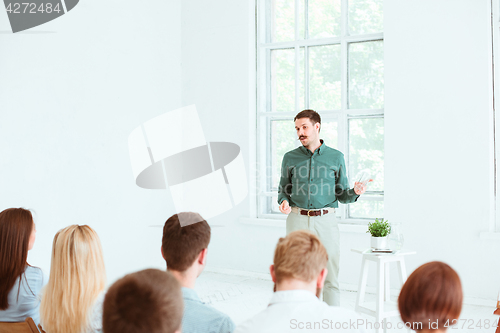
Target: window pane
x=302 y=80
x=269 y=205
x=283 y=139
x=366 y=16
x=283 y=80
x=302 y=19
x=366 y=150
x=366 y=209
x=329 y=133
x=324 y=77
x=283 y=20
x=366 y=75
x=324 y=18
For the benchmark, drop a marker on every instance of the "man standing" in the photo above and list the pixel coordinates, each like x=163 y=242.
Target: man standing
x=313 y=180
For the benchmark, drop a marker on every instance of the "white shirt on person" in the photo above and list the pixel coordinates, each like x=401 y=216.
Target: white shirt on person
x=96 y=314
x=24 y=298
x=301 y=311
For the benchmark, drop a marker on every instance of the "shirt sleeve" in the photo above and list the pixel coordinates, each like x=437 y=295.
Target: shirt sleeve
x=342 y=191
x=285 y=186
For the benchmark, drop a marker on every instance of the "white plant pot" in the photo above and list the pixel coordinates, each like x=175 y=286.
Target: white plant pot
x=380 y=243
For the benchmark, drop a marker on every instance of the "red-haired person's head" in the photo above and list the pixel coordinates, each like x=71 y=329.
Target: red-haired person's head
x=17 y=237
x=431 y=298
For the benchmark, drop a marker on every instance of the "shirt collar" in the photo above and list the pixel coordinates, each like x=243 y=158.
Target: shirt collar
x=320 y=150
x=188 y=293
x=286 y=296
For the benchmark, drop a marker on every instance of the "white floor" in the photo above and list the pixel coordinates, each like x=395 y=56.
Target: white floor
x=241 y=297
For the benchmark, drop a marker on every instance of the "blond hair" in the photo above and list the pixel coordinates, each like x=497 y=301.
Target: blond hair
x=300 y=255
x=77 y=277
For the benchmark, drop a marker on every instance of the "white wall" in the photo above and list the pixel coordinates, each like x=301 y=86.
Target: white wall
x=438 y=139
x=71 y=91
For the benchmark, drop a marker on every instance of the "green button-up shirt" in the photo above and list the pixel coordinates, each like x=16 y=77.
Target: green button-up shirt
x=314 y=180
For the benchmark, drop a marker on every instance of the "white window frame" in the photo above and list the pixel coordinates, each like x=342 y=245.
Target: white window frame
x=264 y=118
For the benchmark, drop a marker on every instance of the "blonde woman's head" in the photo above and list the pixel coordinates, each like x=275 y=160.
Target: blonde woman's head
x=77 y=277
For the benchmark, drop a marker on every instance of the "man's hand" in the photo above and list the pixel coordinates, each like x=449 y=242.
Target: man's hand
x=360 y=188
x=285 y=207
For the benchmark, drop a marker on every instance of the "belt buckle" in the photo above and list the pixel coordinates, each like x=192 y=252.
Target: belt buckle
x=308 y=212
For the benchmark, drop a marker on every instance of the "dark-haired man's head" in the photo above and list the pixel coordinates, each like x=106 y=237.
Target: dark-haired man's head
x=308 y=126
x=149 y=301
x=184 y=248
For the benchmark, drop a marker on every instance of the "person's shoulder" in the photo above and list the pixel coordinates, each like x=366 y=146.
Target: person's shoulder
x=99 y=301
x=294 y=155
x=267 y=320
x=333 y=151
x=34 y=280
x=347 y=319
x=250 y=325
x=36 y=275
x=293 y=152
x=208 y=316
x=226 y=324
x=96 y=320
x=33 y=271
x=246 y=326
x=212 y=312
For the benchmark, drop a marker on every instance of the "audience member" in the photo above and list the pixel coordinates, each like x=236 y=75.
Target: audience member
x=20 y=283
x=185 y=252
x=431 y=298
x=149 y=301
x=299 y=273
x=72 y=300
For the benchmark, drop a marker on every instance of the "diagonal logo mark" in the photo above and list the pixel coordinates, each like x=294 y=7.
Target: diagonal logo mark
x=26 y=14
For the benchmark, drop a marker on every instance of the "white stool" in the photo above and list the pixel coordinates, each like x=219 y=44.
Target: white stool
x=383 y=307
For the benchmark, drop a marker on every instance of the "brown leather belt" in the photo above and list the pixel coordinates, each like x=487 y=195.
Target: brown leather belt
x=312 y=212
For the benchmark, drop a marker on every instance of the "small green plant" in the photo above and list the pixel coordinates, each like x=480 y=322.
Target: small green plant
x=379 y=228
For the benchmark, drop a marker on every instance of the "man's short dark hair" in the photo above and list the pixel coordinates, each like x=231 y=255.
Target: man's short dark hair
x=145 y=301
x=313 y=116
x=182 y=245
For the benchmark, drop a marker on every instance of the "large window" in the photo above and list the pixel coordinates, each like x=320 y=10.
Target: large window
x=325 y=55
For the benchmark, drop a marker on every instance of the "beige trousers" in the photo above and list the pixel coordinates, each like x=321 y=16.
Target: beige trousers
x=327 y=229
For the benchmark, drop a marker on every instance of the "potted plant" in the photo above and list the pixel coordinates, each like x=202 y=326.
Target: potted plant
x=379 y=230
